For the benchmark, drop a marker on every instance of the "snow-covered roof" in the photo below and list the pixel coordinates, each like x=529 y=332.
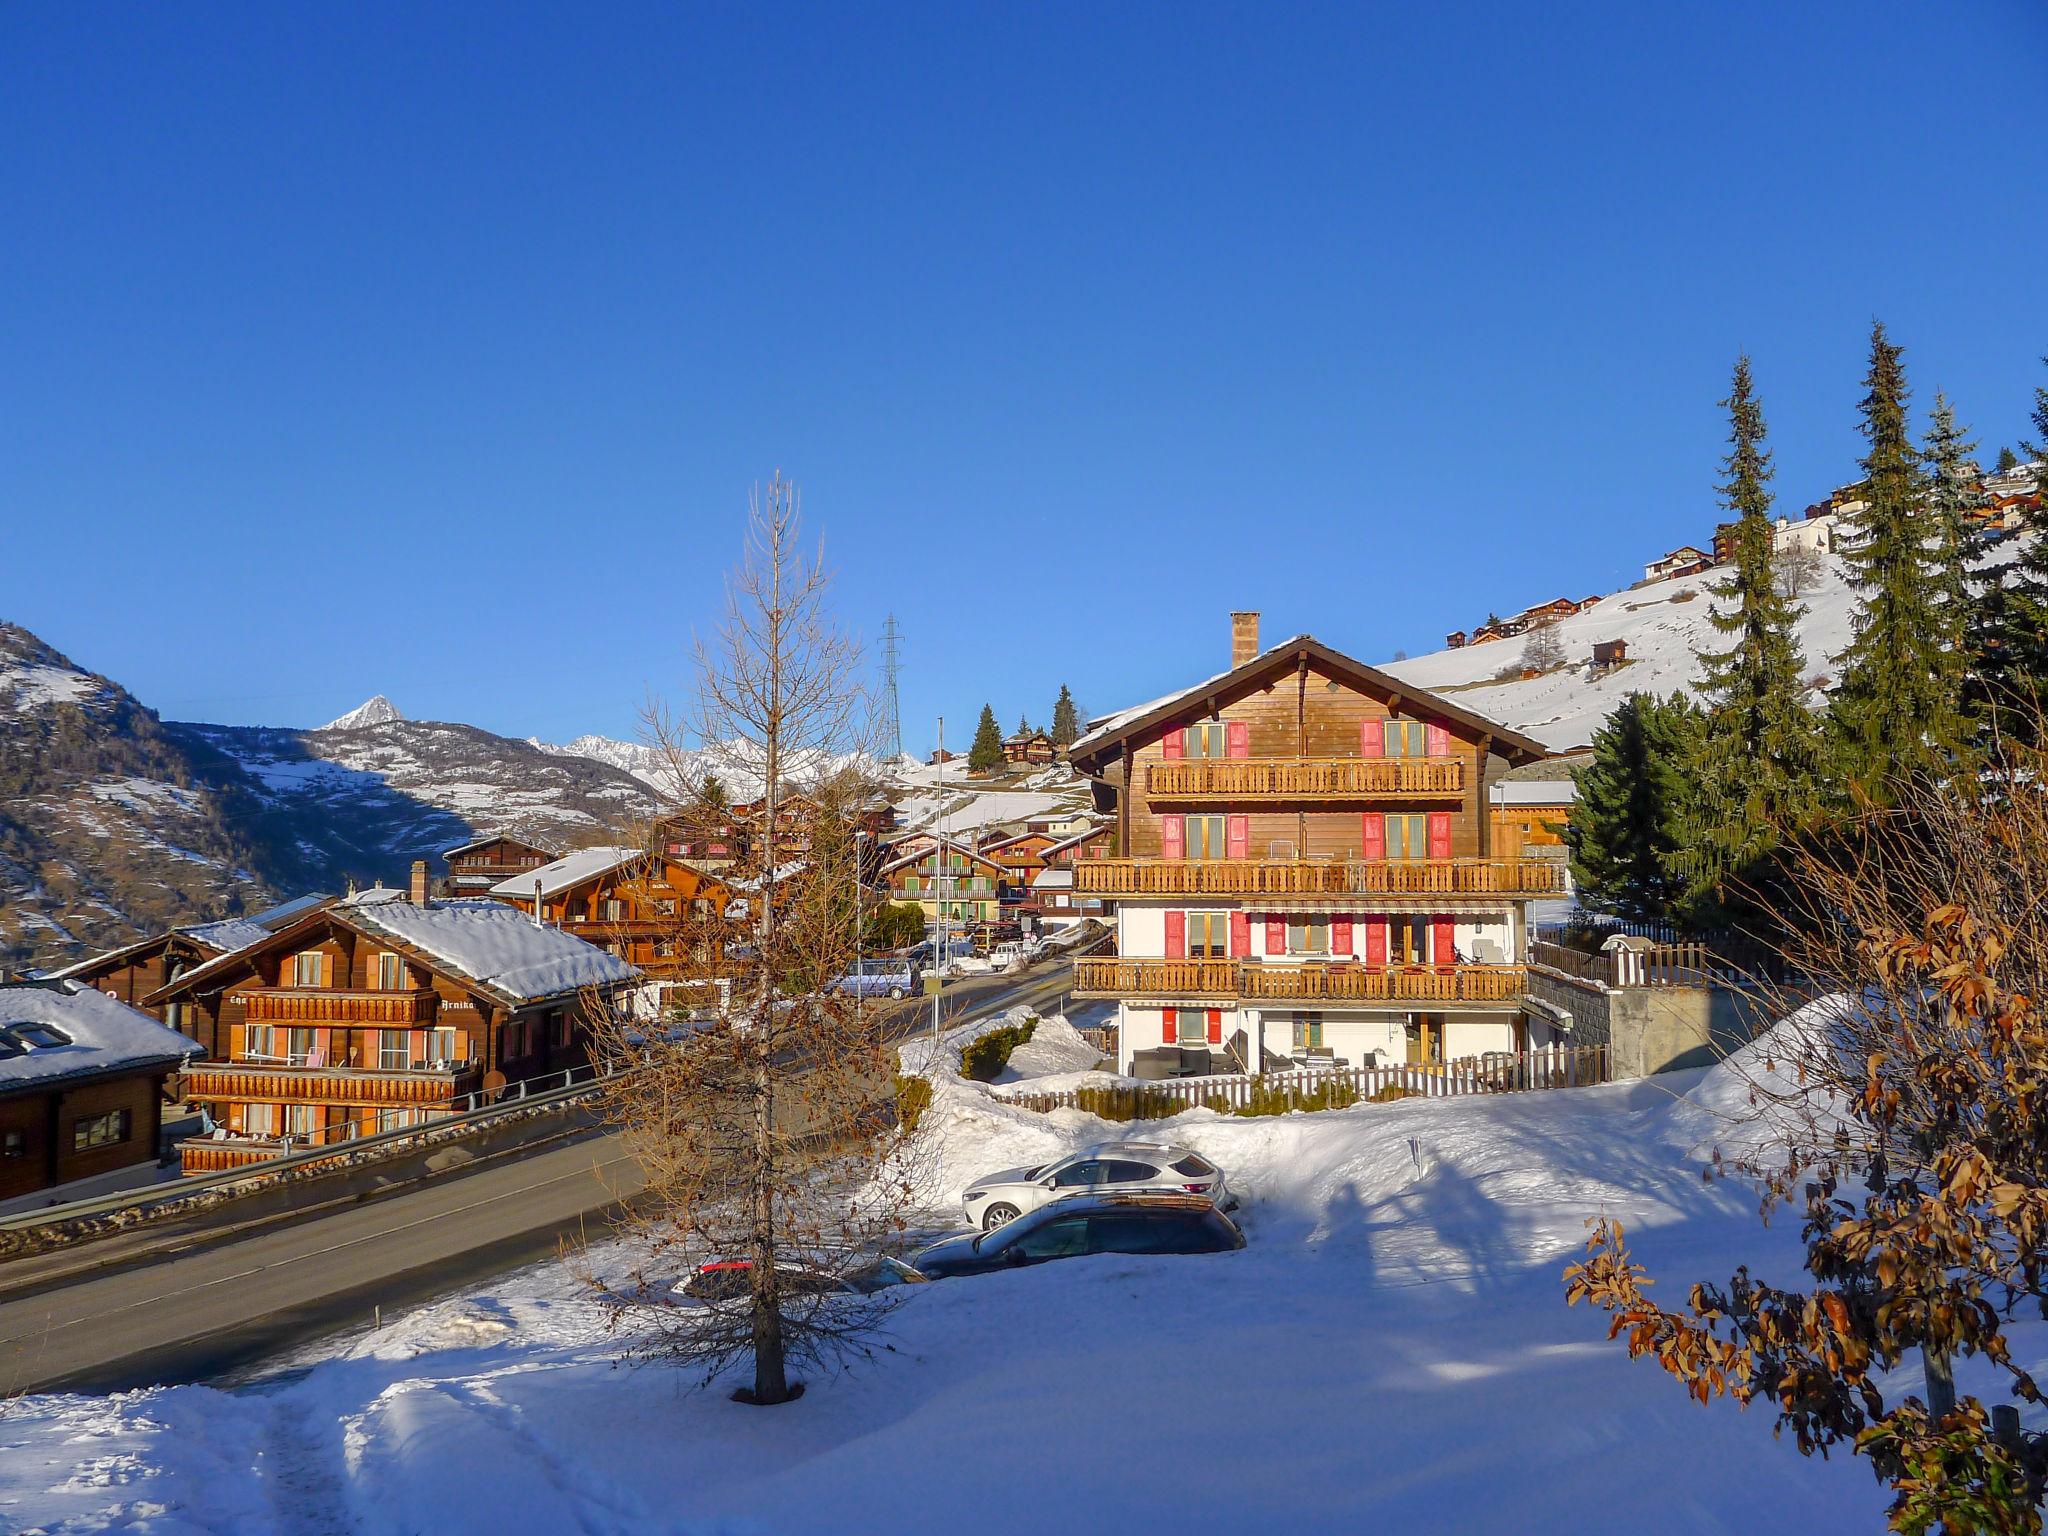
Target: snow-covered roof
x=498 y=947
x=94 y=1033
x=223 y=937
x=1058 y=877
x=567 y=872
x=1535 y=792
x=375 y=896
x=1077 y=838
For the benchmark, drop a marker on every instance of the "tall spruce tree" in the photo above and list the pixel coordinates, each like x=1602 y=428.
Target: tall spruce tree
x=1756 y=756
x=1627 y=822
x=987 y=751
x=1894 y=710
x=1066 y=720
x=1955 y=495
x=2011 y=644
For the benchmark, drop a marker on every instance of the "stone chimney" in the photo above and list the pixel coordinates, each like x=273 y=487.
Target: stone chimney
x=1244 y=637
x=419 y=882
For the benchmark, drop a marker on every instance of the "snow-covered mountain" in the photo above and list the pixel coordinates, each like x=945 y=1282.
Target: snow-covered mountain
x=1664 y=625
x=376 y=710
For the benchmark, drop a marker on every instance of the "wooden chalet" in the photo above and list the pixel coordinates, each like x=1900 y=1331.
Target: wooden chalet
x=633 y=903
x=948 y=879
x=1455 y=640
x=1030 y=747
x=135 y=972
x=1682 y=561
x=474 y=867
x=81 y=1085
x=384 y=1010
x=1306 y=870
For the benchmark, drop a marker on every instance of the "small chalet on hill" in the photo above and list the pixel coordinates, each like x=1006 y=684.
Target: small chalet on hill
x=81 y=1085
x=381 y=1011
x=137 y=971
x=1682 y=561
x=1030 y=747
x=1306 y=870
x=475 y=866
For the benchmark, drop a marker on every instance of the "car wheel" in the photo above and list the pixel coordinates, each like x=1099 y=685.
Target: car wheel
x=895 y=994
x=996 y=1215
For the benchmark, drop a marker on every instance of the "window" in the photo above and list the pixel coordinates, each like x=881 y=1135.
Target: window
x=1205 y=837
x=13 y=1144
x=259 y=1119
x=1406 y=738
x=299 y=1047
x=1308 y=936
x=391 y=973
x=259 y=1042
x=1078 y=1175
x=306 y=968
x=444 y=1047
x=1209 y=935
x=612 y=910
x=1206 y=739
x=1407 y=837
x=397 y=1119
x=1195 y=1166
x=1407 y=940
x=1138 y=1232
x=1308 y=1031
x=1054 y=1240
x=1123 y=1171
x=394 y=1049
x=301 y=1119
x=40 y=1037
x=108 y=1130
x=562 y=1030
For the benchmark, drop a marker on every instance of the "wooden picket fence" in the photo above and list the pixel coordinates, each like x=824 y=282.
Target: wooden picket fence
x=1500 y=1072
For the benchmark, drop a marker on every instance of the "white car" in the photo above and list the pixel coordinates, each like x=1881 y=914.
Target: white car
x=1112 y=1167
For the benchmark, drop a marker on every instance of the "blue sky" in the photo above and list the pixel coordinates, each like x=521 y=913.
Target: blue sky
x=431 y=350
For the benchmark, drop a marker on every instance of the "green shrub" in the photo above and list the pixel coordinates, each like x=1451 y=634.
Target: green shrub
x=913 y=1098
x=1270 y=1099
x=989 y=1054
x=1390 y=1093
x=1126 y=1104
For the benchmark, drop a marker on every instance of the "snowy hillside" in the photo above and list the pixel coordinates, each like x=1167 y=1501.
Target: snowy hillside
x=1391 y=1351
x=1664 y=624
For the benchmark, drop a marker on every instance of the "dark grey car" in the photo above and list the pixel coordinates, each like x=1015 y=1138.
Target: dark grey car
x=1084 y=1224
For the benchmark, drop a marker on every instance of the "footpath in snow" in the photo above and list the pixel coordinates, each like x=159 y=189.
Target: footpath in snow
x=1391 y=1351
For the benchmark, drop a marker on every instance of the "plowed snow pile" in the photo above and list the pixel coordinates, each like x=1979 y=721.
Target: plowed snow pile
x=1390 y=1352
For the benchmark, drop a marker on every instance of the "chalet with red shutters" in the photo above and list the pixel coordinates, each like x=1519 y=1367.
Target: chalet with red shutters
x=1305 y=870
x=383 y=1010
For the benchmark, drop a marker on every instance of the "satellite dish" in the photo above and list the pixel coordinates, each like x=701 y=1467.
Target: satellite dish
x=493 y=1081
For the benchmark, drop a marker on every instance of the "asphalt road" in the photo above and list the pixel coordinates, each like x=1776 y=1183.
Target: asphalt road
x=201 y=1312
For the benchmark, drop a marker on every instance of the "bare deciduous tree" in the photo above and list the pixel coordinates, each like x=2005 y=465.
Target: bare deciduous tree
x=759 y=1107
x=1794 y=570
x=1543 y=650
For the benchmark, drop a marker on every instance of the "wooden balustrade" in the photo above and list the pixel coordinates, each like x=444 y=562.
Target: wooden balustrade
x=329 y=1085
x=329 y=1005
x=1307 y=778
x=1310 y=981
x=1654 y=965
x=207 y=1156
x=1309 y=877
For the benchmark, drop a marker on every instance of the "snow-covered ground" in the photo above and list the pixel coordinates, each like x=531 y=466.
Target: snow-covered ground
x=1391 y=1351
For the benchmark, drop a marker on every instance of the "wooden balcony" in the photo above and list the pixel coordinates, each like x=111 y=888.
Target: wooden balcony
x=1291 y=779
x=209 y=1156
x=1336 y=982
x=1251 y=981
x=332 y=1006
x=1115 y=977
x=261 y=1082
x=1516 y=878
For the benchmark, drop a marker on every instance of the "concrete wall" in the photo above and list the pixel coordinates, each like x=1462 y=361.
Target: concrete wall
x=1648 y=1029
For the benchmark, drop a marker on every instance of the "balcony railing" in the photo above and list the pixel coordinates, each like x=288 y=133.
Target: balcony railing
x=1308 y=982
x=1309 y=877
x=1307 y=778
x=261 y=1082
x=329 y=1005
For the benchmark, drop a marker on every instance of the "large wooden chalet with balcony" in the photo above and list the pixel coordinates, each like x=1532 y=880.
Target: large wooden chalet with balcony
x=383 y=1010
x=477 y=865
x=1306 y=871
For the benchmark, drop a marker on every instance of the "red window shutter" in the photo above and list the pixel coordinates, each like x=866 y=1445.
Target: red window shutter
x=1237 y=836
x=1437 y=739
x=1173 y=837
x=1374 y=840
x=1375 y=941
x=1237 y=739
x=1215 y=1026
x=1372 y=742
x=1176 y=935
x=1340 y=935
x=1169 y=1025
x=1439 y=834
x=1276 y=935
x=1175 y=742
x=1240 y=935
x=1443 y=941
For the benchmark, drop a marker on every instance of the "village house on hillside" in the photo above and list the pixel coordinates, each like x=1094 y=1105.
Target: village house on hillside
x=475 y=866
x=81 y=1085
x=1682 y=561
x=948 y=879
x=1030 y=747
x=381 y=1011
x=1306 y=870
x=134 y=972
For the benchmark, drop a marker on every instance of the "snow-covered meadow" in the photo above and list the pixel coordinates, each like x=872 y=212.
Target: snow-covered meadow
x=1390 y=1351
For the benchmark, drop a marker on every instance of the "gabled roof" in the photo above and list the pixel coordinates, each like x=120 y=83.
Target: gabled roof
x=1086 y=834
x=537 y=844
x=217 y=938
x=1283 y=657
x=972 y=854
x=93 y=1035
x=567 y=872
x=487 y=946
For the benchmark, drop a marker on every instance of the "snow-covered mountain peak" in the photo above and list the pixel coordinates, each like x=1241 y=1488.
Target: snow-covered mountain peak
x=373 y=711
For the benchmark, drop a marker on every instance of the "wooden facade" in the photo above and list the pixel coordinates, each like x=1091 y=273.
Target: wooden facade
x=475 y=867
x=1314 y=838
x=136 y=972
x=638 y=906
x=336 y=1027
x=949 y=880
